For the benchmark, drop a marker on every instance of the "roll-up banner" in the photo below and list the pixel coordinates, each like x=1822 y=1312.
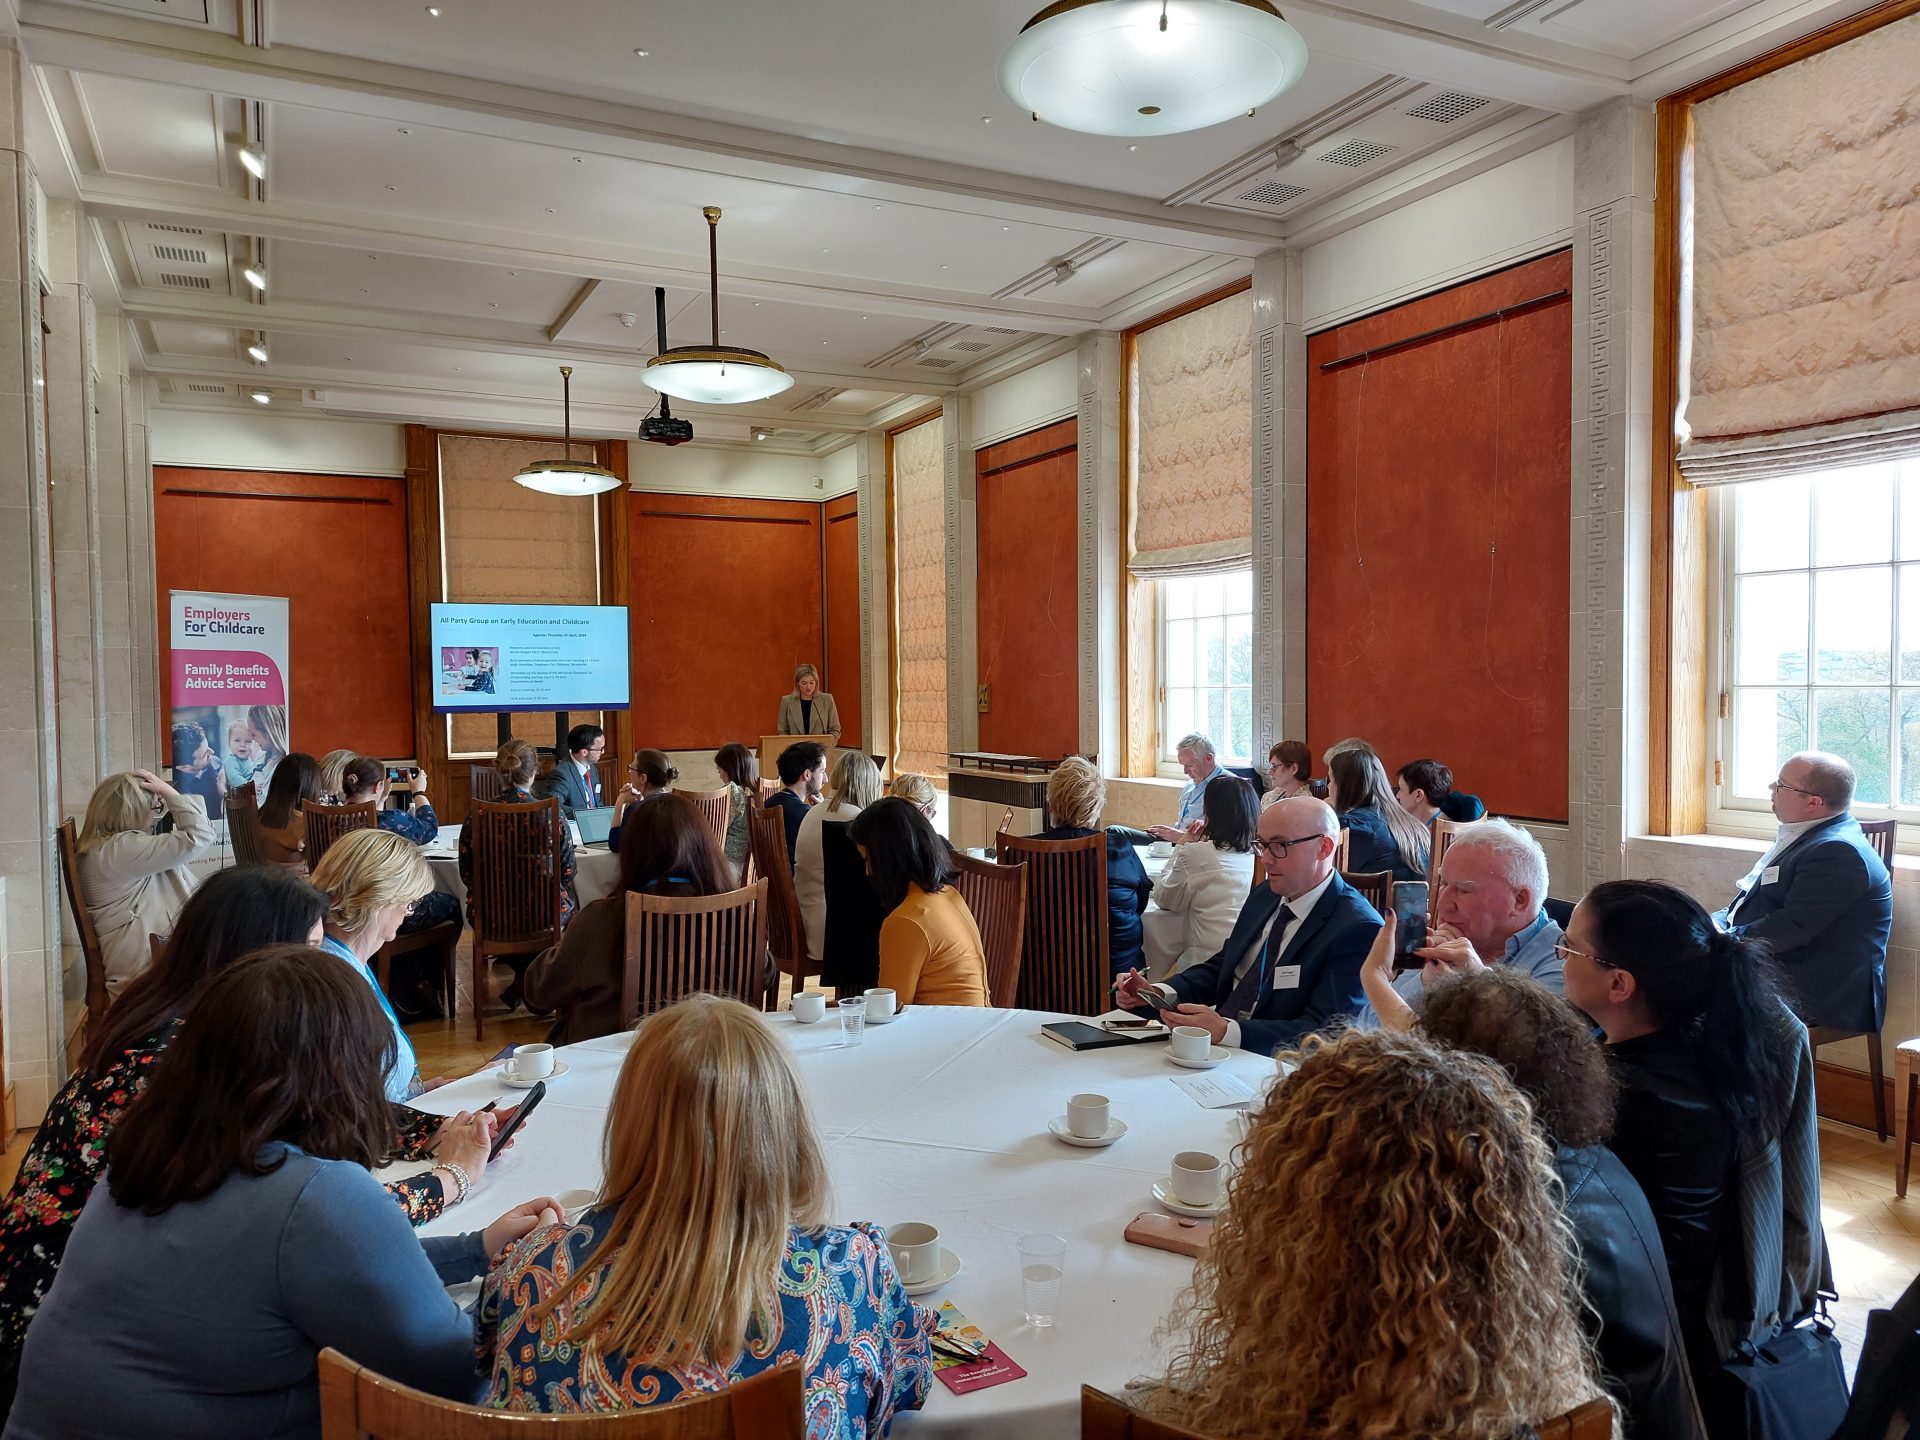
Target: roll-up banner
x=229 y=693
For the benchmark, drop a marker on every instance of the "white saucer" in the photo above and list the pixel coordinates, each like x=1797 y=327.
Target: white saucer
x=949 y=1267
x=1166 y=1197
x=1214 y=1057
x=1116 y=1127
x=559 y=1069
x=876 y=1020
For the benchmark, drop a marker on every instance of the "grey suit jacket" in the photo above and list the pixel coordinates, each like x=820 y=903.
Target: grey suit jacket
x=826 y=716
x=564 y=783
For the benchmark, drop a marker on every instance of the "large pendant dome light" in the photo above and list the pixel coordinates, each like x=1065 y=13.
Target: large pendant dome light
x=1150 y=67
x=568 y=476
x=715 y=374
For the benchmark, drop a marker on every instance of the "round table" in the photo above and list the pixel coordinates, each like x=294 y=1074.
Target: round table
x=596 y=869
x=942 y=1116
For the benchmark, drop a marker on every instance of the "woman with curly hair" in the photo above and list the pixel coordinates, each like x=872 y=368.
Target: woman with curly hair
x=1402 y=1209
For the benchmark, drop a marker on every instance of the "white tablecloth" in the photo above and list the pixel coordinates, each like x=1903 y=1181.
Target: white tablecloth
x=941 y=1116
x=596 y=868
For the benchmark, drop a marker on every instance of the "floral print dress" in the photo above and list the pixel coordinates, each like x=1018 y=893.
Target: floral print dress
x=861 y=1342
x=69 y=1154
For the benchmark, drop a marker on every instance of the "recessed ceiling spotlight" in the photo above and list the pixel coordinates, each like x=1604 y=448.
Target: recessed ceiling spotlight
x=549 y=209
x=257 y=351
x=434 y=11
x=493 y=304
x=760 y=434
x=1132 y=148
x=756 y=304
x=986 y=119
x=643 y=53
x=879 y=207
x=946 y=267
x=1006 y=227
x=405 y=131
x=255 y=274
x=261 y=397
x=579 y=159
x=254 y=161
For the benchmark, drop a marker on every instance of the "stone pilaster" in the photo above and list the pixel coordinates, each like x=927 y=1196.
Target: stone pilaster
x=876 y=592
x=1279 y=502
x=1102 y=584
x=963 y=575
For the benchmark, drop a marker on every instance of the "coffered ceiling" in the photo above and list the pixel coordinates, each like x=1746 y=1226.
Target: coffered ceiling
x=460 y=197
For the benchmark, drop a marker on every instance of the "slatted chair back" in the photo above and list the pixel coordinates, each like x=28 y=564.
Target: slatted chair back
x=327 y=823
x=1340 y=848
x=1066 y=961
x=715 y=807
x=850 y=943
x=1592 y=1420
x=1375 y=886
x=1444 y=831
x=91 y=955
x=613 y=774
x=359 y=1404
x=786 y=934
x=997 y=896
x=243 y=824
x=486 y=782
x=678 y=945
x=514 y=894
x=1884 y=836
x=1102 y=1417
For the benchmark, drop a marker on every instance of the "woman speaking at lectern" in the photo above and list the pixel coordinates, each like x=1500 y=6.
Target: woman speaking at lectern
x=809 y=710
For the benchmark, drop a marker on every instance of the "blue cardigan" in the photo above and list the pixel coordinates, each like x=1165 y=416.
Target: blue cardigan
x=208 y=1320
x=1127 y=890
x=1370 y=847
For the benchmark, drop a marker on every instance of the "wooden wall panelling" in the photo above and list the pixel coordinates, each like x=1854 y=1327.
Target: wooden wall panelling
x=841 y=621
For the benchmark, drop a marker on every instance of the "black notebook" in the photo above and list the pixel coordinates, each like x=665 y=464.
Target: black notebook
x=1079 y=1035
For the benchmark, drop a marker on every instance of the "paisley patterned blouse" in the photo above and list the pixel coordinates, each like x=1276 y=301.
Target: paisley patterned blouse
x=843 y=1315
x=69 y=1153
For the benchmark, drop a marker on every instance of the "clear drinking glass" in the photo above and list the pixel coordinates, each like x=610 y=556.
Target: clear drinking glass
x=1043 y=1258
x=853 y=1019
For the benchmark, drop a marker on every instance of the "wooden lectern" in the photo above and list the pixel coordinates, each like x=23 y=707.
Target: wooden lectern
x=772 y=745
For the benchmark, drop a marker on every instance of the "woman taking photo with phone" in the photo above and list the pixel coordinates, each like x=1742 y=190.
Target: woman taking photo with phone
x=134 y=881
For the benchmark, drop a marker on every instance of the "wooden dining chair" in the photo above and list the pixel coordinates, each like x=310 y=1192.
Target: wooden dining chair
x=514 y=893
x=677 y=945
x=1592 y=1420
x=1906 y=1104
x=1443 y=833
x=786 y=933
x=1066 y=963
x=1883 y=835
x=357 y=1403
x=486 y=782
x=1340 y=848
x=327 y=823
x=243 y=824
x=613 y=774
x=1103 y=1417
x=1375 y=886
x=715 y=807
x=92 y=957
x=997 y=896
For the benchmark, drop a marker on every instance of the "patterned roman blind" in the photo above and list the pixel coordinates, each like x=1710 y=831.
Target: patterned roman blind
x=920 y=597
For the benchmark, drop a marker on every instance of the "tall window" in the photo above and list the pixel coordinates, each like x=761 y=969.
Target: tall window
x=1206 y=663
x=1820 y=647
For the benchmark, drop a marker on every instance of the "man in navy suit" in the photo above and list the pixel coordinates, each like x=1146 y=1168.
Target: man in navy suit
x=1821 y=897
x=1292 y=963
x=575 y=781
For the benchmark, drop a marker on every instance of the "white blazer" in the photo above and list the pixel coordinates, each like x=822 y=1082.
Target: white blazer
x=810 y=872
x=1195 y=903
x=135 y=884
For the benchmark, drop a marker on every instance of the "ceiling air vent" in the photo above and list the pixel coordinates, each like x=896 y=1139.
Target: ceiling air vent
x=1272 y=192
x=185 y=282
x=971 y=346
x=1446 y=107
x=997 y=330
x=195 y=387
x=180 y=254
x=935 y=363
x=174 y=229
x=1355 y=154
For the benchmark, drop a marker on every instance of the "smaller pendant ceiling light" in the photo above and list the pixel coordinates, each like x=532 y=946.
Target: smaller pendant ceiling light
x=716 y=374
x=1150 y=67
x=568 y=476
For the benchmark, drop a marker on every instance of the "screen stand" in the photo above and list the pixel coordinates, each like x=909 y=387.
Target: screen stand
x=503 y=723
x=559 y=733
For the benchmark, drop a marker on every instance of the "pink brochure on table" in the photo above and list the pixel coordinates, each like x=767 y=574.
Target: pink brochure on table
x=957 y=1375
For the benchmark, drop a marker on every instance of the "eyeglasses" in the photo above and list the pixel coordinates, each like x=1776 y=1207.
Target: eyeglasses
x=1278 y=848
x=1782 y=785
x=1565 y=952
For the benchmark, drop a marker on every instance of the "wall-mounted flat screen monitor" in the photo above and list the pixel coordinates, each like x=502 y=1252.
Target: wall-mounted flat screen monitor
x=529 y=657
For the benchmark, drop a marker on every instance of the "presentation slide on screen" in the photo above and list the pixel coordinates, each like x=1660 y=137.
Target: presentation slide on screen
x=529 y=657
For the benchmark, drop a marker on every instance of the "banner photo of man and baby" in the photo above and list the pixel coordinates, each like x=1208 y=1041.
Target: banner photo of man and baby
x=229 y=692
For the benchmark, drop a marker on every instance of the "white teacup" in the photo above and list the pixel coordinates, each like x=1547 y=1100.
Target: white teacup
x=1197 y=1177
x=916 y=1250
x=1161 y=850
x=880 y=1004
x=1087 y=1116
x=810 y=1006
x=1190 y=1042
x=530 y=1062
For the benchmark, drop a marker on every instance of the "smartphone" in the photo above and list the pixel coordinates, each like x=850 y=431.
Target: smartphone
x=527 y=1107
x=1160 y=1002
x=1170 y=1232
x=1410 y=923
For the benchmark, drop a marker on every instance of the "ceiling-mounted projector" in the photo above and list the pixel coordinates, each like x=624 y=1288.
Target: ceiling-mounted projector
x=664 y=428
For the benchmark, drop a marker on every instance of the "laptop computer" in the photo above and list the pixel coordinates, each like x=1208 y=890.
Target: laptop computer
x=594 y=824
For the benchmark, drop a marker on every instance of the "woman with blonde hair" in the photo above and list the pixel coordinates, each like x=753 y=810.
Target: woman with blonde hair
x=1399 y=1199
x=917 y=790
x=333 y=765
x=1380 y=834
x=516 y=762
x=852 y=785
x=631 y=1306
x=133 y=880
x=1076 y=792
x=809 y=710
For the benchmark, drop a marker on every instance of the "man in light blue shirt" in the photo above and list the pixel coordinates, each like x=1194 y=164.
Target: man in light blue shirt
x=1197 y=762
x=1486 y=911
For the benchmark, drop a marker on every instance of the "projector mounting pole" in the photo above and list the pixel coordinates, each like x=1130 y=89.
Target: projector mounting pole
x=660 y=346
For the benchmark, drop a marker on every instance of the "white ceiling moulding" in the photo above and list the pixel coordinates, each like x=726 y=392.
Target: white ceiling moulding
x=109 y=44
x=1060 y=269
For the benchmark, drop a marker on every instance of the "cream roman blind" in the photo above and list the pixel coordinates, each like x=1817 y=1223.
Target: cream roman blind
x=1802 y=286
x=1193 y=441
x=920 y=597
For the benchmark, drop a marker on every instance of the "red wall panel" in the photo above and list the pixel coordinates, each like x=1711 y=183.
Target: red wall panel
x=1026 y=498
x=1437 y=534
x=841 y=517
x=341 y=563
x=725 y=602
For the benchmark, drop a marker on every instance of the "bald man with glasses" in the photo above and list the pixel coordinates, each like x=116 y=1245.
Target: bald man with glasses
x=1292 y=964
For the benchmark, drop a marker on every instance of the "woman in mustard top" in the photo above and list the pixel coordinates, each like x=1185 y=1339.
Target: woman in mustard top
x=930 y=950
